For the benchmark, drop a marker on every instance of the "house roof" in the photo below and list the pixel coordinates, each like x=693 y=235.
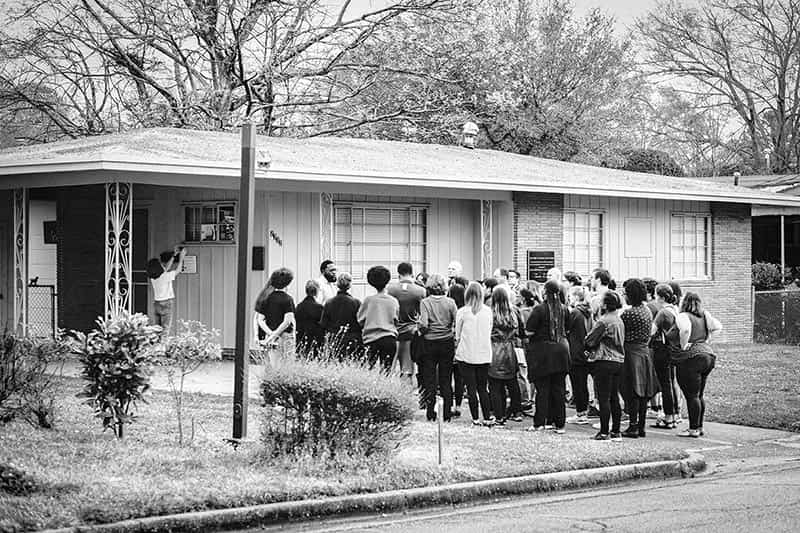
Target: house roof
x=783 y=183
x=367 y=161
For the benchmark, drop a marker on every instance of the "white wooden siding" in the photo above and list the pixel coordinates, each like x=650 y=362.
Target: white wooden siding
x=636 y=214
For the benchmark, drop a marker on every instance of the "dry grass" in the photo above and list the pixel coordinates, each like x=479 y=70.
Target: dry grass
x=755 y=385
x=93 y=478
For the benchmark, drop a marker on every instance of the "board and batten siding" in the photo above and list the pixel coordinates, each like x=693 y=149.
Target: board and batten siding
x=208 y=296
x=636 y=232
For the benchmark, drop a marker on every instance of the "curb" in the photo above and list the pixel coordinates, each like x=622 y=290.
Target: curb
x=396 y=500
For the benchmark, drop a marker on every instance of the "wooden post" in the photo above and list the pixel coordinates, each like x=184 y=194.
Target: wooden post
x=439 y=423
x=243 y=305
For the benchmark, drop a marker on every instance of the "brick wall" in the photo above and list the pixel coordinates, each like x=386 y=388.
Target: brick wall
x=81 y=256
x=728 y=296
x=538 y=225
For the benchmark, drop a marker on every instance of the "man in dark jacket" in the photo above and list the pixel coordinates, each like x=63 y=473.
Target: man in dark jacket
x=340 y=322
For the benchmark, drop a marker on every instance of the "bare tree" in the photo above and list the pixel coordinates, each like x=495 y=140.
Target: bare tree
x=745 y=53
x=92 y=66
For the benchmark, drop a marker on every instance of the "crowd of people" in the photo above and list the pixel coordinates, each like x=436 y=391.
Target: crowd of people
x=511 y=348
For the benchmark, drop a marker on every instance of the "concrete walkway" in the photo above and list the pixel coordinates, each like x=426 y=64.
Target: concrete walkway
x=210 y=378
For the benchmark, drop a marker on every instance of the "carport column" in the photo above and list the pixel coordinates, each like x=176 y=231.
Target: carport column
x=21 y=261
x=325 y=226
x=486 y=238
x=118 y=248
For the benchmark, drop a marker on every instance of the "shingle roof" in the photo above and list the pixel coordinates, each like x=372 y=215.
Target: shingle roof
x=363 y=159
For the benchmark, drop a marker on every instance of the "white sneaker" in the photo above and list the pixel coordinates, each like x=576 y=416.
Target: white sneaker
x=559 y=431
x=596 y=425
x=578 y=419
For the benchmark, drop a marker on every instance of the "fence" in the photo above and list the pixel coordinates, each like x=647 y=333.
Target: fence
x=776 y=316
x=41 y=310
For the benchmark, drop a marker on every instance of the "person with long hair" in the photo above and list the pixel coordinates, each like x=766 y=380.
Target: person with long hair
x=437 y=317
x=548 y=356
x=664 y=320
x=503 y=368
x=581 y=323
x=474 y=351
x=275 y=308
x=693 y=356
x=639 y=382
x=607 y=354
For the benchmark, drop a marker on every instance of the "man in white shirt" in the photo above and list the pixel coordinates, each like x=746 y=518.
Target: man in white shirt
x=163 y=293
x=327 y=281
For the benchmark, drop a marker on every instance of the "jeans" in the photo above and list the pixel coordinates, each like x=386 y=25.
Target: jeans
x=607 y=376
x=283 y=349
x=436 y=365
x=550 y=400
x=637 y=410
x=382 y=351
x=522 y=381
x=665 y=372
x=458 y=385
x=476 y=378
x=692 y=375
x=497 y=390
x=579 y=378
x=163 y=312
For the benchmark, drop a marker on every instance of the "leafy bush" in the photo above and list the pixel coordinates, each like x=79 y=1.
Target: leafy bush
x=29 y=371
x=767 y=276
x=183 y=353
x=117 y=362
x=16 y=482
x=331 y=408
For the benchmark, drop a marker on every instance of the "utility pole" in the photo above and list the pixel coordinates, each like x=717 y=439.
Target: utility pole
x=243 y=305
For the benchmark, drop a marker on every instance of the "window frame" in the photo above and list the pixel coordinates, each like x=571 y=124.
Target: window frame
x=603 y=238
x=386 y=206
x=708 y=217
x=216 y=205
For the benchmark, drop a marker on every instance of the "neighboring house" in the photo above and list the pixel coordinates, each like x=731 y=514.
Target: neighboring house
x=776 y=229
x=119 y=199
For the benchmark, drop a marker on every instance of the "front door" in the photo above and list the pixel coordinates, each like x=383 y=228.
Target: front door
x=141 y=253
x=6 y=281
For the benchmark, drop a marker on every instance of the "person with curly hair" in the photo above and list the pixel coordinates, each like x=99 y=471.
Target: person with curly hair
x=275 y=316
x=378 y=317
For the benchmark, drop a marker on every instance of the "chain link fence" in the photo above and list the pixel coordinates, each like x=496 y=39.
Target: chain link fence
x=776 y=317
x=41 y=310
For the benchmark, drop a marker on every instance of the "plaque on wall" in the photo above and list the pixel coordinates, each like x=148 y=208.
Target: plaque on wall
x=539 y=262
x=189 y=264
x=50 y=232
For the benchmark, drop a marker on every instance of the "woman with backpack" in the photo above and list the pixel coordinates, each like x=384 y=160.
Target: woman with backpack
x=665 y=318
x=548 y=357
x=506 y=327
x=693 y=356
x=581 y=323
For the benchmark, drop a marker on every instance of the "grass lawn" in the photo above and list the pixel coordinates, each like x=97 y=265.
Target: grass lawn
x=92 y=478
x=755 y=385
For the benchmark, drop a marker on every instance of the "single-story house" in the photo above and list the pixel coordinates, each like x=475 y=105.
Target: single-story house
x=83 y=217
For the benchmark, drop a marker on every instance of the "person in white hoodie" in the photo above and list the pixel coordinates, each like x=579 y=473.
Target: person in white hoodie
x=474 y=350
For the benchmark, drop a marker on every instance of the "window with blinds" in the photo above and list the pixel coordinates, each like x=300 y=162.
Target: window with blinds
x=366 y=236
x=583 y=241
x=690 y=253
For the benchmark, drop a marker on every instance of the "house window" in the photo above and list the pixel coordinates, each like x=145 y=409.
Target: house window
x=690 y=246
x=210 y=222
x=366 y=236
x=583 y=241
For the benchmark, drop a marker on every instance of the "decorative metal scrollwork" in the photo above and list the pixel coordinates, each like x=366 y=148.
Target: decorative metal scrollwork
x=20 y=261
x=486 y=238
x=119 y=248
x=325 y=226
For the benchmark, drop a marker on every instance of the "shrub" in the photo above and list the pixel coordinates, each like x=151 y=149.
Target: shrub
x=330 y=409
x=29 y=372
x=183 y=353
x=117 y=362
x=767 y=276
x=16 y=482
